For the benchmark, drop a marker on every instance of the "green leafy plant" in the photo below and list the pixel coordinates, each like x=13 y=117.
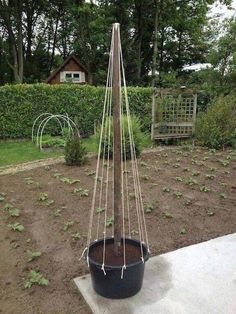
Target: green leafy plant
x=139 y=137
x=36 y=278
x=75 y=152
x=222 y=195
x=100 y=210
x=205 y=189
x=216 y=128
x=224 y=162
x=183 y=231
x=109 y=222
x=195 y=173
x=8 y=206
x=166 y=190
x=145 y=177
x=68 y=224
x=178 y=194
x=167 y=215
x=210 y=176
x=14 y=212
x=50 y=202
x=43 y=197
x=33 y=255
x=16 y=227
x=148 y=208
x=82 y=192
x=29 y=181
x=57 y=213
x=178 y=179
x=210 y=213
x=191 y=182
x=76 y=236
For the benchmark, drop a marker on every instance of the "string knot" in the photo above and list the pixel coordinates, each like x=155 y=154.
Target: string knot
x=122 y=271
x=103 y=269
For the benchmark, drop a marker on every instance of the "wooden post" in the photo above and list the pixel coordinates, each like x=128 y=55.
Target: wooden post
x=116 y=138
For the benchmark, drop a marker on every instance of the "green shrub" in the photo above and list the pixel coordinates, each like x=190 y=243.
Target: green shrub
x=75 y=152
x=20 y=104
x=140 y=138
x=52 y=141
x=217 y=127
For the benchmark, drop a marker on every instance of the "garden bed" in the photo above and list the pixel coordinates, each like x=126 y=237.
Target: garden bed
x=189 y=197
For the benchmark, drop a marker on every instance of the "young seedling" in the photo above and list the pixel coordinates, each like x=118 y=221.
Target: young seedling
x=167 y=215
x=222 y=195
x=205 y=189
x=132 y=196
x=68 y=224
x=109 y=222
x=36 y=278
x=8 y=206
x=16 y=227
x=183 y=231
x=43 y=197
x=210 y=213
x=47 y=168
x=49 y=202
x=166 y=190
x=57 y=175
x=2 y=198
x=224 y=162
x=195 y=173
x=178 y=179
x=212 y=169
x=134 y=232
x=76 y=236
x=210 y=176
x=143 y=164
x=82 y=192
x=100 y=210
x=177 y=165
x=33 y=255
x=14 y=212
x=148 y=208
x=186 y=169
x=178 y=194
x=191 y=182
x=29 y=181
x=57 y=213
x=188 y=202
x=145 y=177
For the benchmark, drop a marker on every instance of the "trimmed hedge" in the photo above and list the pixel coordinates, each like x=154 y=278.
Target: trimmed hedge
x=20 y=104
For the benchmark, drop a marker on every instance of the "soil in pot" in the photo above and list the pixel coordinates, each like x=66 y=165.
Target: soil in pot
x=132 y=254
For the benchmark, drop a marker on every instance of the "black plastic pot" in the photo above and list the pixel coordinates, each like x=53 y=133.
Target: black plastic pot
x=111 y=285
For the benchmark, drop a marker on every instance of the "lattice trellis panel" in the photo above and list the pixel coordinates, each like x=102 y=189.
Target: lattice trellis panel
x=174 y=114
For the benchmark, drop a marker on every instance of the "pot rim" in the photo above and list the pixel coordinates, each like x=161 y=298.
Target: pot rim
x=145 y=256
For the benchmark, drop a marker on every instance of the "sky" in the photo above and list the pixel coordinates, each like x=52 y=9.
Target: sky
x=223 y=10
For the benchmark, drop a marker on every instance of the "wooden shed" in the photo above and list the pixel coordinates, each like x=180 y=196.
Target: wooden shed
x=71 y=71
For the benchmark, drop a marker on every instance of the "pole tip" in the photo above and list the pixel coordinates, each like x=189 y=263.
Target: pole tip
x=116 y=25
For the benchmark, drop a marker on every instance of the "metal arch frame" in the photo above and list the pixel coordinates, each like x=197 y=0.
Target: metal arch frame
x=49 y=116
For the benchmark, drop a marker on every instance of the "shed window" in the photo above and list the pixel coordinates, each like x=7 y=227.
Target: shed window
x=72 y=76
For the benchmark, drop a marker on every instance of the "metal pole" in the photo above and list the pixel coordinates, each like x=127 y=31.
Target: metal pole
x=116 y=139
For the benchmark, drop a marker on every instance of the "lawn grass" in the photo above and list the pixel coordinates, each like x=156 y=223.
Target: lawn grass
x=16 y=152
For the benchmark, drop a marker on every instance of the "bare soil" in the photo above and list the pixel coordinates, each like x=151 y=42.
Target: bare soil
x=189 y=196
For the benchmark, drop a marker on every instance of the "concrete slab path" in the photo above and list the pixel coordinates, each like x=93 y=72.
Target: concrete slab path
x=198 y=279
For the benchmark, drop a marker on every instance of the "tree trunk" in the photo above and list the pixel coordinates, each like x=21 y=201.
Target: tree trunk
x=20 y=41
